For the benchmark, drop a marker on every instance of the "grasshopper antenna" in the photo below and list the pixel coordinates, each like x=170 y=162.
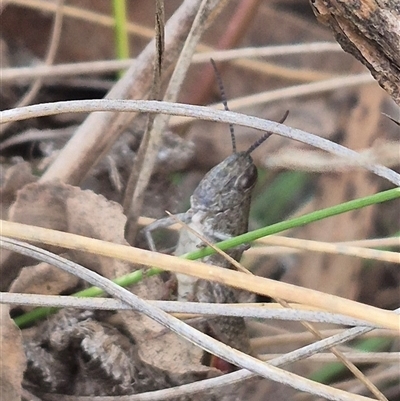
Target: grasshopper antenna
x=224 y=102
x=257 y=143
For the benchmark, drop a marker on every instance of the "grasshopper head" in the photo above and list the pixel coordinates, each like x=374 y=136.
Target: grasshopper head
x=226 y=185
x=230 y=183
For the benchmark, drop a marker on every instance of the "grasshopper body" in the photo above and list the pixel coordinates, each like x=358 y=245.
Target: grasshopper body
x=220 y=209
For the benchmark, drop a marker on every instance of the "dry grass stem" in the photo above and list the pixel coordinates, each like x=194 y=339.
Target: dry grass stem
x=200 y=112
x=205 y=342
x=290 y=293
x=22 y=74
x=185 y=310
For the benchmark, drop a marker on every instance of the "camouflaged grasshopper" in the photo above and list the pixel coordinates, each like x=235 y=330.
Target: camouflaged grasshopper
x=219 y=209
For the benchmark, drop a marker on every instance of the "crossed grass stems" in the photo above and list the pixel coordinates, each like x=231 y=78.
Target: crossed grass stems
x=248 y=237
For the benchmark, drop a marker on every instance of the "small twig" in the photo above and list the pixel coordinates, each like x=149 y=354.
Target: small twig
x=332 y=248
x=354 y=357
x=269 y=311
x=21 y=74
x=147 y=154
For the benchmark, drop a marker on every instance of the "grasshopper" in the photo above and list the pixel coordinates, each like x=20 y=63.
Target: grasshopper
x=219 y=209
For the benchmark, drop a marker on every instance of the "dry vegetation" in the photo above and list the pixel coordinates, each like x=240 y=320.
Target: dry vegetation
x=323 y=288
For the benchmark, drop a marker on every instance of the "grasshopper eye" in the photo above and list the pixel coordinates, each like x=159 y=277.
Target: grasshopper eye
x=248 y=179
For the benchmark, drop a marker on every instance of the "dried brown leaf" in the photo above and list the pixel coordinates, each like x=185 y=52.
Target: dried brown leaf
x=12 y=358
x=164 y=350
x=71 y=209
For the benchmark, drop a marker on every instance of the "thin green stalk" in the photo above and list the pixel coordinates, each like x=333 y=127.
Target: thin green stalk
x=30 y=317
x=297 y=222
x=40 y=313
x=121 y=30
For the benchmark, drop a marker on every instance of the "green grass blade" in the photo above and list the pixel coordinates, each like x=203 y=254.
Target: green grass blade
x=121 y=30
x=297 y=222
x=28 y=318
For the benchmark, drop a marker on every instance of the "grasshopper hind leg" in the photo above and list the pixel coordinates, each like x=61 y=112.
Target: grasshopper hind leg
x=231 y=330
